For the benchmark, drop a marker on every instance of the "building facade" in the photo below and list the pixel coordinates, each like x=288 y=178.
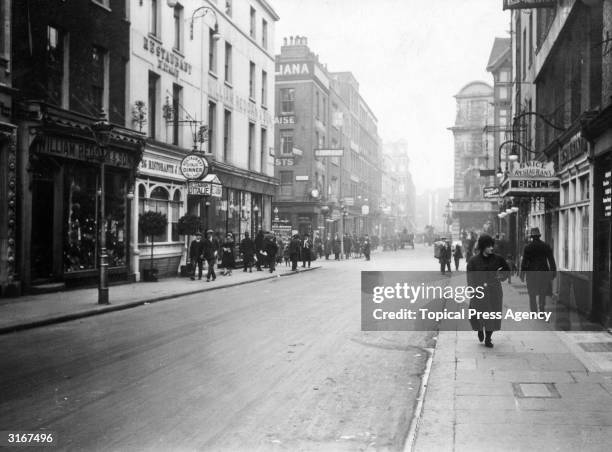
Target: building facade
x=473 y=157
x=402 y=199
x=328 y=153
x=209 y=90
x=69 y=63
x=560 y=58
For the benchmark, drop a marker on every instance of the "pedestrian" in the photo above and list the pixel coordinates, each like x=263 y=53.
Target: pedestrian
x=247 y=251
x=539 y=267
x=196 y=255
x=271 y=248
x=347 y=246
x=318 y=246
x=210 y=255
x=444 y=256
x=457 y=255
x=329 y=246
x=486 y=271
x=336 y=247
x=227 y=258
x=306 y=251
x=366 y=247
x=259 y=244
x=294 y=251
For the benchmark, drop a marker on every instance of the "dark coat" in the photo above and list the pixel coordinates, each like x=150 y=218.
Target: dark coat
x=294 y=248
x=538 y=264
x=196 y=250
x=306 y=251
x=337 y=246
x=457 y=254
x=209 y=249
x=487 y=272
x=247 y=248
x=270 y=247
x=227 y=258
x=259 y=241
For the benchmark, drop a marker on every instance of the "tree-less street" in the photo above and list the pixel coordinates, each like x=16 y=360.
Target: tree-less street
x=280 y=363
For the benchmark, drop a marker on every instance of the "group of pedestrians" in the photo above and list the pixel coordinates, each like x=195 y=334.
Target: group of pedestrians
x=487 y=269
x=354 y=247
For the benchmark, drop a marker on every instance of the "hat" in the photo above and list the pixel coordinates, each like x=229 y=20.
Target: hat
x=210 y=231
x=535 y=232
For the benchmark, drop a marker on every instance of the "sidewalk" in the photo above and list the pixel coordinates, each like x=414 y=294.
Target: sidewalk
x=32 y=311
x=535 y=390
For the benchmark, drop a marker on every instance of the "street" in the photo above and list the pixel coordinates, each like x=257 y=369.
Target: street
x=273 y=365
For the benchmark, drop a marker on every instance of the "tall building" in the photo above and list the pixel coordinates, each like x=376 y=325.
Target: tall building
x=328 y=153
x=70 y=60
x=202 y=81
x=559 y=178
x=473 y=157
x=404 y=198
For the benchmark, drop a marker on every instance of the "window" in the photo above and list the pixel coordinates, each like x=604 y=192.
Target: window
x=228 y=62
x=178 y=29
x=286 y=183
x=158 y=202
x=530 y=39
x=252 y=80
x=153 y=103
x=264 y=33
x=228 y=7
x=524 y=54
x=212 y=51
x=287 y=100
x=504 y=75
x=212 y=125
x=251 y=145
x=286 y=137
x=177 y=91
x=324 y=110
x=317 y=104
x=154 y=18
x=503 y=93
x=56 y=62
x=252 y=23
x=263 y=146
x=227 y=134
x=264 y=88
x=99 y=74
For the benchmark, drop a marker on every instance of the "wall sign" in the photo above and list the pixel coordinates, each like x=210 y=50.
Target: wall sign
x=284 y=161
x=575 y=147
x=167 y=61
x=606 y=186
x=533 y=168
x=82 y=150
x=194 y=167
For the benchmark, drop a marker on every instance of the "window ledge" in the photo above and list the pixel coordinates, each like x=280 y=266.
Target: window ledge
x=228 y=84
x=179 y=52
x=213 y=74
x=264 y=107
x=252 y=99
x=154 y=38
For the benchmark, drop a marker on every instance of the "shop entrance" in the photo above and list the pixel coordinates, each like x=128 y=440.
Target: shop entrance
x=41 y=256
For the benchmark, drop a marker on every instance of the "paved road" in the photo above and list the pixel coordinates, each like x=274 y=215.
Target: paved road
x=275 y=365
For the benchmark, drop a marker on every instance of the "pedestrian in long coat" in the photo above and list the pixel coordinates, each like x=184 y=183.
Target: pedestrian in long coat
x=228 y=261
x=329 y=246
x=196 y=255
x=486 y=270
x=337 y=248
x=247 y=250
x=259 y=246
x=366 y=247
x=271 y=248
x=457 y=255
x=294 y=251
x=538 y=265
x=210 y=254
x=306 y=250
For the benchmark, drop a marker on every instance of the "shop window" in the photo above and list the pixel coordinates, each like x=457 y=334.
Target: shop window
x=584 y=188
x=586 y=231
x=157 y=202
x=246 y=214
x=142 y=194
x=115 y=213
x=233 y=211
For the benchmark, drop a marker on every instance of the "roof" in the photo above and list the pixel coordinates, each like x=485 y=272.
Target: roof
x=501 y=46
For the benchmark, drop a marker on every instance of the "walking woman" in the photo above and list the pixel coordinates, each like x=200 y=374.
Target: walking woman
x=457 y=255
x=227 y=259
x=486 y=270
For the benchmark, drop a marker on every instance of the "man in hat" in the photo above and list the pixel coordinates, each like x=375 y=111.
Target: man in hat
x=210 y=254
x=538 y=265
x=196 y=255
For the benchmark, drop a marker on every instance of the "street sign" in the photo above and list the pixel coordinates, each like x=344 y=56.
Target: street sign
x=329 y=152
x=349 y=201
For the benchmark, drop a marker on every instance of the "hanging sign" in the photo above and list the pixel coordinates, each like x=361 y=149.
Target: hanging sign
x=194 y=166
x=606 y=186
x=533 y=168
x=490 y=192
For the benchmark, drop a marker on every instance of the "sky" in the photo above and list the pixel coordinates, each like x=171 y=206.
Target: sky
x=410 y=58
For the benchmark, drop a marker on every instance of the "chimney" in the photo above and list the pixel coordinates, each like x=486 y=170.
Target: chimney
x=285 y=41
x=290 y=40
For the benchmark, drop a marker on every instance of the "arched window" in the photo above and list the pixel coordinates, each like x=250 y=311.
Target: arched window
x=158 y=202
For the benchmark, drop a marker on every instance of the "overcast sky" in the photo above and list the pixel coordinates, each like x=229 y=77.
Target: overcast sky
x=410 y=57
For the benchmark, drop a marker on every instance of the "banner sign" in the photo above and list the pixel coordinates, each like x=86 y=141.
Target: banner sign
x=329 y=152
x=529 y=4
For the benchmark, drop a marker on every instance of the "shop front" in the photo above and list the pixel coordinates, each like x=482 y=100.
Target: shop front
x=61 y=165
x=599 y=133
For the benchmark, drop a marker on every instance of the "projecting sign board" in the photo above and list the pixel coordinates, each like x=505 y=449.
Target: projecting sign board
x=210 y=186
x=329 y=152
x=194 y=166
x=490 y=192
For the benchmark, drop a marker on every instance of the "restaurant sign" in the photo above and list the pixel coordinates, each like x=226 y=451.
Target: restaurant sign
x=529 y=4
x=533 y=168
x=490 y=192
x=530 y=186
x=194 y=166
x=209 y=186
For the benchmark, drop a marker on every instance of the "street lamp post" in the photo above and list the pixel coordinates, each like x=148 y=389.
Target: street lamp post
x=102 y=130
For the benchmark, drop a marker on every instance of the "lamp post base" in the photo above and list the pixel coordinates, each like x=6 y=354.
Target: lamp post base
x=103 y=295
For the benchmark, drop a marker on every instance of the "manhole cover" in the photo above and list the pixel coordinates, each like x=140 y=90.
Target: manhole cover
x=595 y=347
x=535 y=390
